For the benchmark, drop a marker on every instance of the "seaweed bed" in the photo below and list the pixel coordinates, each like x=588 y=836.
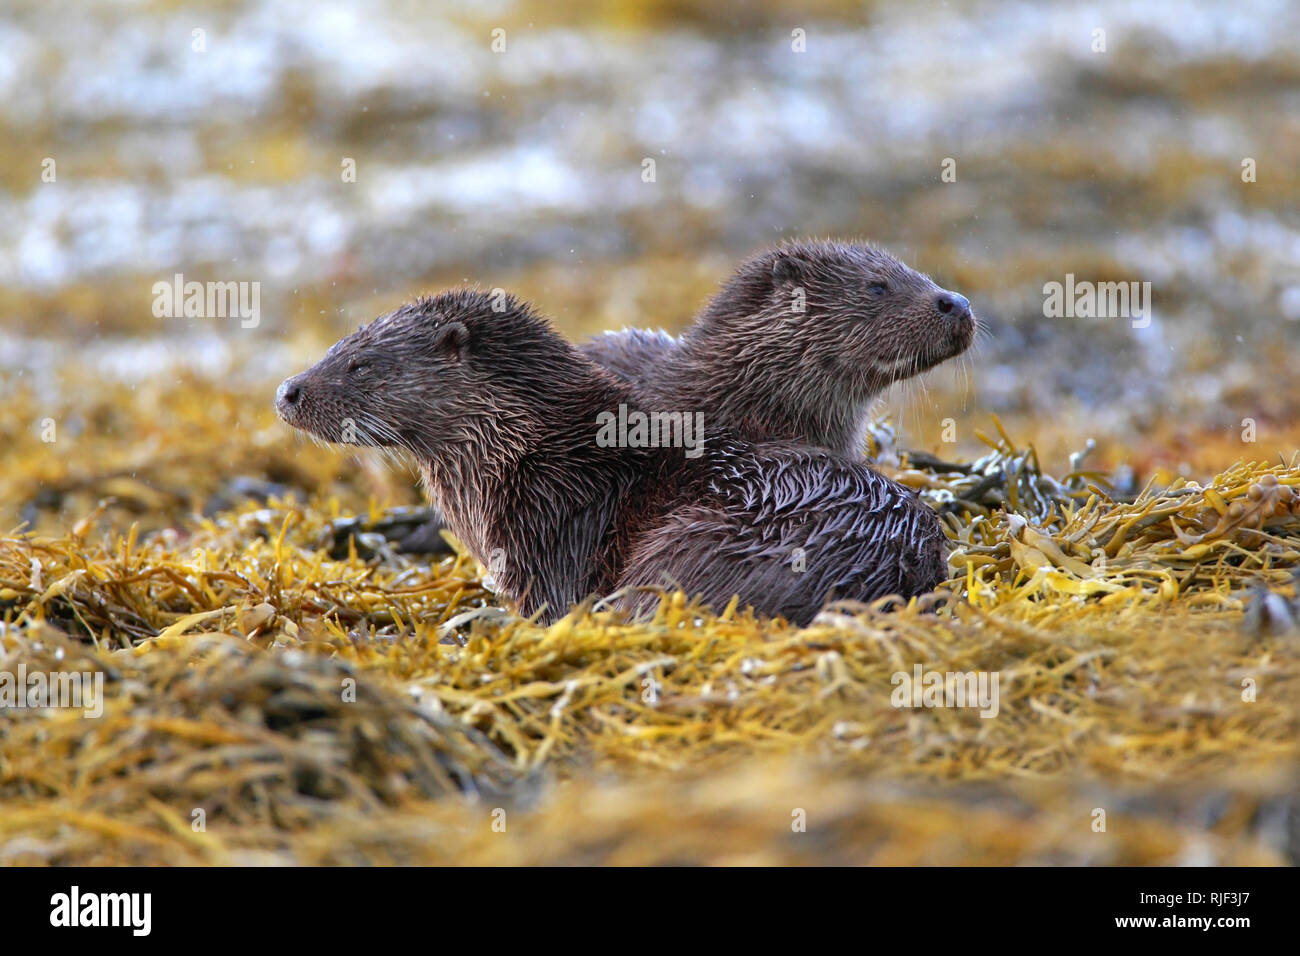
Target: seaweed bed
x=280 y=686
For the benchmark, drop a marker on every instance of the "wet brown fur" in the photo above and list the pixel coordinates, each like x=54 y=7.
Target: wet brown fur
x=772 y=373
x=500 y=414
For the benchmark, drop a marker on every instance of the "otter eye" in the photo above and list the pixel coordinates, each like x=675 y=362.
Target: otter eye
x=357 y=367
x=878 y=288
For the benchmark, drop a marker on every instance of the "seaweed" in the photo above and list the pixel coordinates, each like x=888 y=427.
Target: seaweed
x=1125 y=633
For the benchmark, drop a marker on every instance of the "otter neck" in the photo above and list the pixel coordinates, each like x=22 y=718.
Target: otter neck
x=536 y=501
x=717 y=372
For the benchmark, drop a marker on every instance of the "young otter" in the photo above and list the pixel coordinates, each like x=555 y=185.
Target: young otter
x=797 y=344
x=502 y=417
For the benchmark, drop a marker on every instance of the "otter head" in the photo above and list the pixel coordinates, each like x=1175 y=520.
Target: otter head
x=864 y=314
x=846 y=311
x=446 y=376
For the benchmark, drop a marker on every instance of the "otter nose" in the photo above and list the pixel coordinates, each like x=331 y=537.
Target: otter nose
x=952 y=305
x=288 y=392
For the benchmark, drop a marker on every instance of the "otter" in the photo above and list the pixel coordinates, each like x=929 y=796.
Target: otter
x=797 y=344
x=502 y=417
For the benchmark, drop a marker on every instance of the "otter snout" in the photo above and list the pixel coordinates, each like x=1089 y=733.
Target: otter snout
x=958 y=319
x=952 y=305
x=286 y=399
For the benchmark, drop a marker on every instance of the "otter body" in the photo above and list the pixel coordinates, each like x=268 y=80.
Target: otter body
x=789 y=527
x=797 y=344
x=635 y=356
x=501 y=415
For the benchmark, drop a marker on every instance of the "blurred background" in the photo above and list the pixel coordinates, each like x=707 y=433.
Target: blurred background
x=348 y=154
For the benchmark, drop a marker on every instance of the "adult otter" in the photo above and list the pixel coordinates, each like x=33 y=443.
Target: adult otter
x=797 y=344
x=502 y=416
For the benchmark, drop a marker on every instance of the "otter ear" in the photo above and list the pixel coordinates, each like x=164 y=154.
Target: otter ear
x=452 y=341
x=788 y=269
